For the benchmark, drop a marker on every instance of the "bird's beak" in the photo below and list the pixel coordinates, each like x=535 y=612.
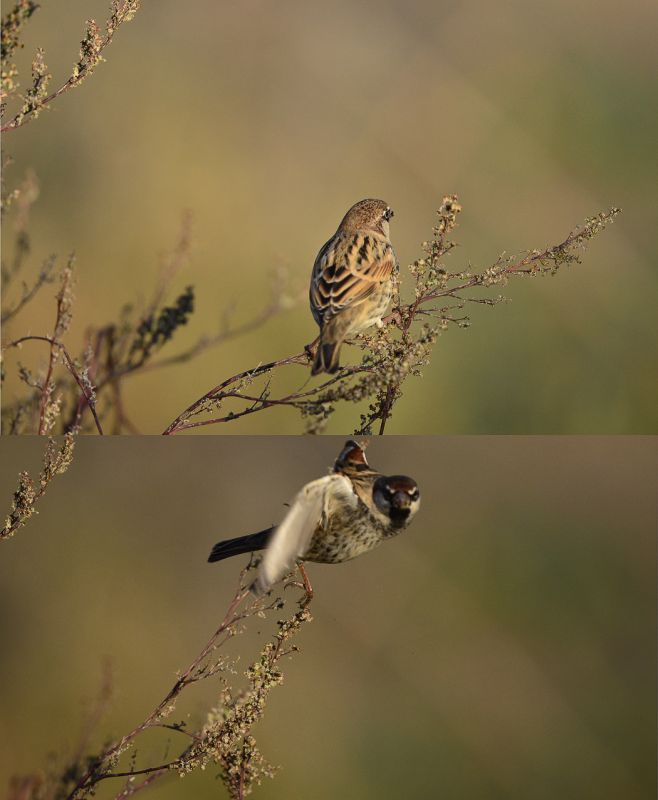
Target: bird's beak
x=401 y=500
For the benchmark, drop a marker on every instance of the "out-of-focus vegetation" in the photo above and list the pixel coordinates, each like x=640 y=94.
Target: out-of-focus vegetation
x=23 y=99
x=269 y=122
x=503 y=646
x=56 y=460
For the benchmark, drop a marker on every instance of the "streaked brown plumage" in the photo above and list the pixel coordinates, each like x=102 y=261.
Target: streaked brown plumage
x=351 y=282
x=332 y=519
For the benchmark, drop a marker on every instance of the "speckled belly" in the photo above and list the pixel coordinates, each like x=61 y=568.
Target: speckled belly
x=346 y=536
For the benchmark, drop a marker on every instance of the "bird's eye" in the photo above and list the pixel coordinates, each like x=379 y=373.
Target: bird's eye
x=388 y=213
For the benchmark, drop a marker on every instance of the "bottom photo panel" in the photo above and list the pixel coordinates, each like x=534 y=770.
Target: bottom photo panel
x=223 y=617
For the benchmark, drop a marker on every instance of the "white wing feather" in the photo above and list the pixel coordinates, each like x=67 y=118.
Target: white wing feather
x=292 y=537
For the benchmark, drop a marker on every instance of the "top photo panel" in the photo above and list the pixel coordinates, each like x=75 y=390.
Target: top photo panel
x=349 y=218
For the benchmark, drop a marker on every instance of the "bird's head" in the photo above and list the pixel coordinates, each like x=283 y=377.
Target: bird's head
x=368 y=215
x=397 y=497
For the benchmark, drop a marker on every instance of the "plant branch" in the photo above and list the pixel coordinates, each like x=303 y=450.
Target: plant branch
x=56 y=461
x=62 y=322
x=92 y=47
x=225 y=736
x=166 y=705
x=85 y=386
x=44 y=276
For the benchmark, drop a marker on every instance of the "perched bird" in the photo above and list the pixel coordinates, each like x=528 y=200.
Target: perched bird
x=351 y=283
x=333 y=519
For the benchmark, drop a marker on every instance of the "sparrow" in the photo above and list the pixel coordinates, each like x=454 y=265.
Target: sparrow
x=351 y=282
x=332 y=519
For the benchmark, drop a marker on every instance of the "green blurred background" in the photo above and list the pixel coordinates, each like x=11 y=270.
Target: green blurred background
x=503 y=647
x=268 y=120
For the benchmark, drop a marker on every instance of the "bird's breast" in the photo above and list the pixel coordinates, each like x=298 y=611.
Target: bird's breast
x=343 y=537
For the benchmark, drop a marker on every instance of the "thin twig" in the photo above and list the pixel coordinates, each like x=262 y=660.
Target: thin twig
x=61 y=323
x=84 y=67
x=44 y=276
x=56 y=460
x=180 y=423
x=222 y=392
x=70 y=366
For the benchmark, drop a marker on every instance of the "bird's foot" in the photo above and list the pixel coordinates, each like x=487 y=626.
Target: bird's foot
x=306 y=584
x=312 y=348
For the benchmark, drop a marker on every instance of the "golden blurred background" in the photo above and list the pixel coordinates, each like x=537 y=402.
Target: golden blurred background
x=503 y=646
x=268 y=120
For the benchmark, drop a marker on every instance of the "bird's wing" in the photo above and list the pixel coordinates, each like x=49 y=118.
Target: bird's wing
x=292 y=537
x=348 y=269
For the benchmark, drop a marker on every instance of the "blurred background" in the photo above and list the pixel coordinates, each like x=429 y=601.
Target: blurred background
x=268 y=120
x=503 y=646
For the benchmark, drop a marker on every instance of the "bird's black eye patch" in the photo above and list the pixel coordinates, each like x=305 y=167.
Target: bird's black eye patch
x=388 y=213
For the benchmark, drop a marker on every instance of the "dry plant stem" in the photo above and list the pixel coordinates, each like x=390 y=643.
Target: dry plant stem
x=122 y=12
x=56 y=461
x=132 y=788
x=258 y=402
x=225 y=737
x=60 y=326
x=218 y=743
x=106 y=364
x=43 y=277
x=93 y=774
x=17 y=122
x=71 y=368
x=180 y=423
x=404 y=321
x=75 y=420
x=113 y=375
x=386 y=409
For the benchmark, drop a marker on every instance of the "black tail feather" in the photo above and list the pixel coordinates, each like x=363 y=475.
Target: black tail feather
x=326 y=358
x=241 y=544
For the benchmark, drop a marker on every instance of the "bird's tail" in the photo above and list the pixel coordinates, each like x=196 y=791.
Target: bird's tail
x=241 y=544
x=327 y=355
x=326 y=358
